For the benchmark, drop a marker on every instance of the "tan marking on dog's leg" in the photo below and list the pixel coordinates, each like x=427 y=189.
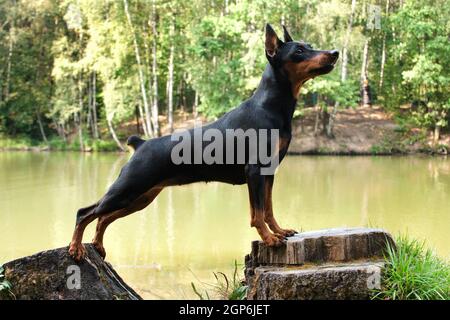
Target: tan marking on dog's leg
x=76 y=248
x=257 y=221
x=268 y=214
x=105 y=220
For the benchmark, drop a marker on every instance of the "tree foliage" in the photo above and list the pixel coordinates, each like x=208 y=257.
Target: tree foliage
x=69 y=67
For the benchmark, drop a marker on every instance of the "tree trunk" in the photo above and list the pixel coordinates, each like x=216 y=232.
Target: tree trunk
x=195 y=106
x=383 y=62
x=89 y=124
x=317 y=119
x=140 y=71
x=41 y=127
x=325 y=121
x=365 y=88
x=113 y=133
x=346 y=42
x=364 y=61
x=141 y=113
x=383 y=52
x=136 y=115
x=54 y=275
x=80 y=119
x=155 y=111
x=59 y=129
x=436 y=134
x=330 y=124
x=10 y=54
x=170 y=82
x=94 y=106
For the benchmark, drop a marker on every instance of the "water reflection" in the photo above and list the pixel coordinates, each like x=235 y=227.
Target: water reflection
x=190 y=231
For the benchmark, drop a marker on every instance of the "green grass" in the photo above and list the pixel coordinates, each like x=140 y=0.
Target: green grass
x=225 y=287
x=56 y=144
x=89 y=144
x=414 y=272
x=5 y=286
x=16 y=143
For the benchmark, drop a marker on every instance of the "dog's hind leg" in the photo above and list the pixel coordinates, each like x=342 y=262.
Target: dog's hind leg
x=84 y=217
x=105 y=220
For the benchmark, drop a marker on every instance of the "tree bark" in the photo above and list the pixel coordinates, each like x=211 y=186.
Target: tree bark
x=436 y=134
x=170 y=81
x=41 y=127
x=140 y=71
x=346 y=42
x=365 y=60
x=155 y=111
x=94 y=105
x=383 y=52
x=365 y=88
x=50 y=275
x=317 y=119
x=136 y=115
x=113 y=132
x=80 y=105
x=10 y=53
x=141 y=113
x=330 y=124
x=195 y=106
x=89 y=124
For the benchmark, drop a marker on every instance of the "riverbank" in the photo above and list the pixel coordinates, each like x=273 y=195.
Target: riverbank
x=360 y=131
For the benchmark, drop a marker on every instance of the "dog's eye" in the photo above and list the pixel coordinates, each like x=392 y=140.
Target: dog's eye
x=299 y=51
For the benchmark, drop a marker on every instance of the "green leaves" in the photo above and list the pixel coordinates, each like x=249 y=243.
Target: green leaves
x=218 y=57
x=5 y=285
x=331 y=88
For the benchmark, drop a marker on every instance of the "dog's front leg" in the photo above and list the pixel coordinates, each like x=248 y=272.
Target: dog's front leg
x=268 y=214
x=256 y=189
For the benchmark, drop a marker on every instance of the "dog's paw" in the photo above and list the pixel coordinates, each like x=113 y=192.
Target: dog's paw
x=288 y=232
x=77 y=251
x=274 y=240
x=100 y=249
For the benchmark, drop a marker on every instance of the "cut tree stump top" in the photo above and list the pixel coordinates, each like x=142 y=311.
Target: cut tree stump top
x=329 y=245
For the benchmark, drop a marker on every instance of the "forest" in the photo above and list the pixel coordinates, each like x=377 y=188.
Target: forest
x=83 y=74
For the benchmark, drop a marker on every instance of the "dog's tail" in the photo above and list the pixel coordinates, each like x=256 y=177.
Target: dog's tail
x=135 y=142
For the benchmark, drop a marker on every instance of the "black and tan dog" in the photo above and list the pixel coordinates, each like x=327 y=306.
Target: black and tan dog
x=151 y=167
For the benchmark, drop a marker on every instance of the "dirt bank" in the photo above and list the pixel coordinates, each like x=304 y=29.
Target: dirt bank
x=363 y=131
x=356 y=131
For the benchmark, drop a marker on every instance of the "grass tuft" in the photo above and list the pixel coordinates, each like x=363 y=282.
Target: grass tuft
x=225 y=287
x=5 y=286
x=414 y=272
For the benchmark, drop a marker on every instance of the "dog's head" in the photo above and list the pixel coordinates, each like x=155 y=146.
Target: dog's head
x=297 y=60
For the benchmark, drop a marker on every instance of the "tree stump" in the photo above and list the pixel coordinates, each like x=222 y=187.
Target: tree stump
x=54 y=275
x=342 y=263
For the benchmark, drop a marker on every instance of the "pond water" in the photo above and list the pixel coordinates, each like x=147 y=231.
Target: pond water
x=189 y=232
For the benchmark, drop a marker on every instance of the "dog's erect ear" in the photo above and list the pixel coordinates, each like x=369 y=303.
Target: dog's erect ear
x=287 y=36
x=272 y=42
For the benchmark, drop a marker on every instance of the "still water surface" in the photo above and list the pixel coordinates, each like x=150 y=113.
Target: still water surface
x=190 y=231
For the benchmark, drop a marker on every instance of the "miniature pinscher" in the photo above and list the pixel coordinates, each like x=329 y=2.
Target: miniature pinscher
x=151 y=168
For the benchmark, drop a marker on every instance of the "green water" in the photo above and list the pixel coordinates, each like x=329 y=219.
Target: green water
x=190 y=231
